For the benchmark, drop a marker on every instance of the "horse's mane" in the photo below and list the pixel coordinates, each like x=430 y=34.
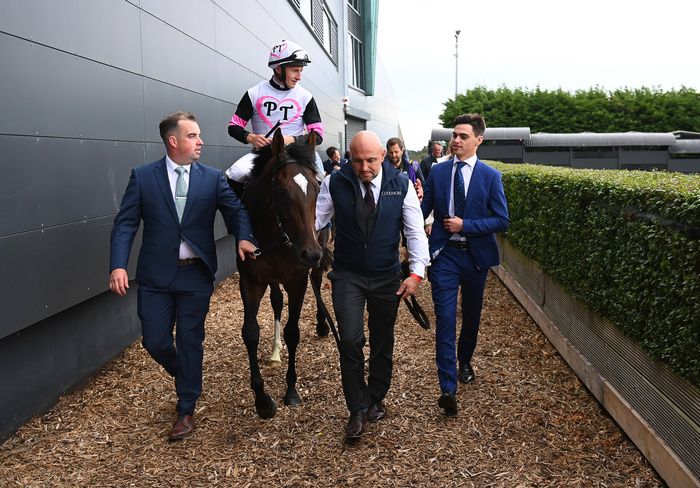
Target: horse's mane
x=298 y=151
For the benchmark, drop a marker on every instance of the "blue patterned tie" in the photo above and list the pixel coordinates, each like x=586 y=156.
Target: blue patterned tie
x=458 y=190
x=180 y=192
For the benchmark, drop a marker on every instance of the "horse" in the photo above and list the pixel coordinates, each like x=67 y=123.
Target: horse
x=281 y=201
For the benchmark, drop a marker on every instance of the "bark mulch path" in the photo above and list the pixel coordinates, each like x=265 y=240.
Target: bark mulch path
x=527 y=421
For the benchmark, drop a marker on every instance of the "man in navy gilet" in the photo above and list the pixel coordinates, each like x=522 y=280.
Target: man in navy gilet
x=371 y=200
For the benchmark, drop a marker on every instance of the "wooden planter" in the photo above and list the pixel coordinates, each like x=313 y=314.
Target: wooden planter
x=659 y=411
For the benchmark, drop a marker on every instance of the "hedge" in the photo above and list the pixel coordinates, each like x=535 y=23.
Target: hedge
x=626 y=243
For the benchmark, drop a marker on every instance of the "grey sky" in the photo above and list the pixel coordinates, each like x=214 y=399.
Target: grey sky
x=551 y=44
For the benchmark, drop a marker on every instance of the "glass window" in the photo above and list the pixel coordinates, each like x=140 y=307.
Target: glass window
x=327 y=32
x=305 y=9
x=358 y=63
x=320 y=22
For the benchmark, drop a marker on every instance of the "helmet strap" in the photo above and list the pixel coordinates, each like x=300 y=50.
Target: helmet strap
x=282 y=76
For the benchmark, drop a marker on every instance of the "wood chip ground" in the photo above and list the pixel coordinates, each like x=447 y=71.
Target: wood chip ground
x=526 y=422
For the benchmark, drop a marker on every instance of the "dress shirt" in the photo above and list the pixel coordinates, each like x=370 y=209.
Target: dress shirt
x=186 y=251
x=467 y=170
x=416 y=241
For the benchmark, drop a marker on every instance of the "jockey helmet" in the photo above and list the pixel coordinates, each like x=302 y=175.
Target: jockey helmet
x=287 y=53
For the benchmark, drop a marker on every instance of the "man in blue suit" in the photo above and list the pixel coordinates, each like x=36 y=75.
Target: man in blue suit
x=177 y=199
x=467 y=197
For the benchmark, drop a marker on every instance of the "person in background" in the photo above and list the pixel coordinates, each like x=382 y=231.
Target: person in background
x=370 y=200
x=469 y=207
x=431 y=159
x=176 y=198
x=334 y=161
x=398 y=157
x=447 y=155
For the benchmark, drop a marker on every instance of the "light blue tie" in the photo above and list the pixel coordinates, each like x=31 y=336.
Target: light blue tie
x=180 y=192
x=458 y=191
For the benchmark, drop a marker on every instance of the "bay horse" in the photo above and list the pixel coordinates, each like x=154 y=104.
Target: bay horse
x=281 y=201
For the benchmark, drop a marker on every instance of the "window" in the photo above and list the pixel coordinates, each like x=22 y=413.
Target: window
x=355 y=4
x=357 y=63
x=355 y=41
x=320 y=21
x=327 y=31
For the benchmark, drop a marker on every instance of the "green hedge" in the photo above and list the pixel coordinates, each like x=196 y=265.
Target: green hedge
x=626 y=243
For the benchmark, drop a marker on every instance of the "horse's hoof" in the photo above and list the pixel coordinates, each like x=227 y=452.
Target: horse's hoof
x=292 y=399
x=268 y=411
x=274 y=363
x=322 y=330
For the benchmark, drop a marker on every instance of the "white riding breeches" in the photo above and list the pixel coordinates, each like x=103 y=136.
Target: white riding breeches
x=240 y=169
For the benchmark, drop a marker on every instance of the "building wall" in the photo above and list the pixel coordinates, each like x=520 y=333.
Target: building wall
x=84 y=87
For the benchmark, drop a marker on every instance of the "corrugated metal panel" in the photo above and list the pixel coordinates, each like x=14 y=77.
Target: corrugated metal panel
x=685 y=146
x=491 y=134
x=593 y=139
x=352 y=127
x=686 y=134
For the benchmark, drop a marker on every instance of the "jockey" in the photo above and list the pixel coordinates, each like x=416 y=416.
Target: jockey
x=278 y=102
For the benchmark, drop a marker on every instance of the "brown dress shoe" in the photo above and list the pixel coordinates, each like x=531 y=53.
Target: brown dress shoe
x=182 y=428
x=355 y=427
x=376 y=412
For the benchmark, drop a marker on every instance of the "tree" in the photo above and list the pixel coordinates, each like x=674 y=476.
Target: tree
x=592 y=110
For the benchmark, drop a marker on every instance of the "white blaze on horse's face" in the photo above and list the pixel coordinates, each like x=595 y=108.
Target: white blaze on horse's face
x=302 y=182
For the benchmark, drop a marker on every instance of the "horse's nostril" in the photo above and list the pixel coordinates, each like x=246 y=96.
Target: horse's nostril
x=311 y=257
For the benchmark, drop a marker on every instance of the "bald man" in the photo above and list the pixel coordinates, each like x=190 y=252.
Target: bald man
x=370 y=200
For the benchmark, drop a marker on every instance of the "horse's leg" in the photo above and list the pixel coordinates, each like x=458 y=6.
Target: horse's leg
x=277 y=301
x=316 y=281
x=251 y=294
x=295 y=295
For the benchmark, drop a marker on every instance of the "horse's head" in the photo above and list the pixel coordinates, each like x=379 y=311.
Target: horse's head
x=294 y=192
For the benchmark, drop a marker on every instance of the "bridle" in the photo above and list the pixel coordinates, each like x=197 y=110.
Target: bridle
x=274 y=205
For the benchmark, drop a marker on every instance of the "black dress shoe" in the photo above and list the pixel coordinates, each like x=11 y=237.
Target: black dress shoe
x=466 y=373
x=448 y=402
x=355 y=427
x=376 y=412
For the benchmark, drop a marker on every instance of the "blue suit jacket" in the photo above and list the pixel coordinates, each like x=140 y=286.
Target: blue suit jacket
x=148 y=198
x=485 y=211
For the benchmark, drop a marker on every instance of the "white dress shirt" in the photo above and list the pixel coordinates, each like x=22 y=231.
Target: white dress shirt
x=416 y=240
x=186 y=251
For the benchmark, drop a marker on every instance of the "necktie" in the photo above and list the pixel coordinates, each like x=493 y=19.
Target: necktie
x=369 y=197
x=458 y=190
x=180 y=191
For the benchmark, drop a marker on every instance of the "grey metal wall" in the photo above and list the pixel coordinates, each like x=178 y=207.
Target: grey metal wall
x=84 y=85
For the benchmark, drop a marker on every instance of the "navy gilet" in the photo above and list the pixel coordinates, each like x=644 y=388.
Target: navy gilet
x=367 y=244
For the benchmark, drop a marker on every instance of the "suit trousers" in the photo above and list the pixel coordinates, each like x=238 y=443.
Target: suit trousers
x=454 y=268
x=182 y=305
x=350 y=293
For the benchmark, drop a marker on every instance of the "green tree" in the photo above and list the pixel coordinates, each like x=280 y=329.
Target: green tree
x=592 y=110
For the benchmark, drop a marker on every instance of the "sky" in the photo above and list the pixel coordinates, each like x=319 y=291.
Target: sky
x=565 y=44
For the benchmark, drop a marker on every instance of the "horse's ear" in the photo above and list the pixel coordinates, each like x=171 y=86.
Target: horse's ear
x=278 y=143
x=311 y=140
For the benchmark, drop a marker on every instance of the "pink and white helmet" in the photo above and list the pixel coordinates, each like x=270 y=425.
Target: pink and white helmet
x=287 y=53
